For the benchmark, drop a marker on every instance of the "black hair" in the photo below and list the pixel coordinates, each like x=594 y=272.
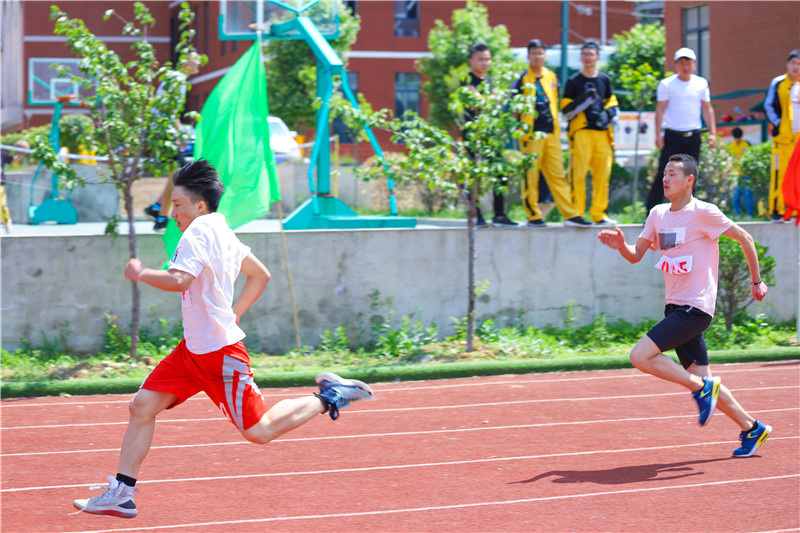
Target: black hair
x=536 y=43
x=477 y=47
x=794 y=53
x=689 y=164
x=591 y=43
x=737 y=133
x=201 y=182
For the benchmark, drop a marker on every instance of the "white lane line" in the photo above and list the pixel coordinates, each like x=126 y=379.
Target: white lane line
x=725 y=369
x=449 y=507
x=396 y=467
x=394 y=434
x=412 y=409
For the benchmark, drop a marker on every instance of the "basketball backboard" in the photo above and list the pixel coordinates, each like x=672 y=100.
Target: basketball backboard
x=46 y=84
x=240 y=19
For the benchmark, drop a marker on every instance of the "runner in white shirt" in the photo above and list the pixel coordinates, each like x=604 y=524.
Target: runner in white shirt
x=686 y=233
x=211 y=358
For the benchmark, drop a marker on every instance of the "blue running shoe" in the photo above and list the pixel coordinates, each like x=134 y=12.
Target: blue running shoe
x=337 y=393
x=751 y=440
x=706 y=399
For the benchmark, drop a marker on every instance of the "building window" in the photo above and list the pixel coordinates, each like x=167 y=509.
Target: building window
x=339 y=127
x=352 y=5
x=406 y=18
x=406 y=93
x=696 y=37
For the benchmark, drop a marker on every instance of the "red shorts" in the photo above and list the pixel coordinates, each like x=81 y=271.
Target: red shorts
x=224 y=375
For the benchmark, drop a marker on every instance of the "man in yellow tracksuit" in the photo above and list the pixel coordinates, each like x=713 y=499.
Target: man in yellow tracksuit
x=541 y=82
x=590 y=105
x=785 y=120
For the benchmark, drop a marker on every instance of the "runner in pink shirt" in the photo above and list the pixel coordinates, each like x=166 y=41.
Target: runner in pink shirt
x=685 y=232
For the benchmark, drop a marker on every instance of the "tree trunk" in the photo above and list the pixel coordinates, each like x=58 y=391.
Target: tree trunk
x=472 y=252
x=636 y=159
x=134 y=286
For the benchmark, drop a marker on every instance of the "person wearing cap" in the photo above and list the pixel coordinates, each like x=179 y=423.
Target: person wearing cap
x=542 y=83
x=782 y=106
x=589 y=104
x=682 y=100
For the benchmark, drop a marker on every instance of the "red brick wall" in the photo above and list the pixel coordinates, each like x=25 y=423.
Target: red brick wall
x=749 y=45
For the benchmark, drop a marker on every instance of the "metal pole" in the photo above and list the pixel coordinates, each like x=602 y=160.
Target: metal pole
x=564 y=41
x=603 y=27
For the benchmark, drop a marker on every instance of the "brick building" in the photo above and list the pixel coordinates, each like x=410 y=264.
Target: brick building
x=740 y=46
x=393 y=36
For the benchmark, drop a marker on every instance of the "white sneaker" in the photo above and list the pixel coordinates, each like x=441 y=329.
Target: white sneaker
x=117 y=500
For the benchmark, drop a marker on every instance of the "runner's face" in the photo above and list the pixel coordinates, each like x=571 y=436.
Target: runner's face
x=537 y=57
x=480 y=62
x=675 y=181
x=184 y=209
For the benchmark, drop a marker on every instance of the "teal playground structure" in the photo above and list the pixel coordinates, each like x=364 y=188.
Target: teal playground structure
x=51 y=82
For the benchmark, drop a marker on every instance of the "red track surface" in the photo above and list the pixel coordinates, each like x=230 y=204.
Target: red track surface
x=581 y=451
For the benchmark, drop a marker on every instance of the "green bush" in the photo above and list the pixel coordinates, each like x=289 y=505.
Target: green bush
x=755 y=164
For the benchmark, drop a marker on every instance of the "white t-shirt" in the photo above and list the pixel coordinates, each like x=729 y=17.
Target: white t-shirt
x=683 y=112
x=211 y=252
x=687 y=241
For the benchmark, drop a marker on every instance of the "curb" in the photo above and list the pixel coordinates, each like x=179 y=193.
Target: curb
x=395 y=373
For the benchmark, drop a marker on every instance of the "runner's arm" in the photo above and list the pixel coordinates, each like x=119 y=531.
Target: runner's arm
x=257 y=279
x=738 y=234
x=615 y=240
x=167 y=280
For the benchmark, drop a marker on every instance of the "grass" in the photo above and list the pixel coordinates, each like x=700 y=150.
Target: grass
x=384 y=348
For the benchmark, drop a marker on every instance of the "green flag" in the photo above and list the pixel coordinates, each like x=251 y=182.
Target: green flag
x=233 y=135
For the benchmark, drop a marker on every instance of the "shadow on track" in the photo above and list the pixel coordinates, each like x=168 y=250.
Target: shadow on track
x=625 y=474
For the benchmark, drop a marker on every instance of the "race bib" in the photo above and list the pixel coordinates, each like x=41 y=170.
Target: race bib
x=675 y=265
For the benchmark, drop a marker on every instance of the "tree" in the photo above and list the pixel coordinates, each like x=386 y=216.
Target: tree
x=733 y=294
x=292 y=71
x=450 y=50
x=133 y=123
x=642 y=44
x=717 y=174
x=641 y=81
x=465 y=169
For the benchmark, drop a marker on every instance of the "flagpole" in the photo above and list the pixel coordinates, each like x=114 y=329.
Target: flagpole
x=283 y=236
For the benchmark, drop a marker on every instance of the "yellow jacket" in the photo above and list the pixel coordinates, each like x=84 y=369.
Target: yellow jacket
x=550 y=85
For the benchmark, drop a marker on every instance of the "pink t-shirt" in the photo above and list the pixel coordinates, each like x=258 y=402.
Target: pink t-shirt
x=687 y=241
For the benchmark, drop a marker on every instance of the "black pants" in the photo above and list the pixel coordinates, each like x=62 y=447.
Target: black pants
x=674 y=143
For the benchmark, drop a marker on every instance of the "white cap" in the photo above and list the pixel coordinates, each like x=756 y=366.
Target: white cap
x=685 y=52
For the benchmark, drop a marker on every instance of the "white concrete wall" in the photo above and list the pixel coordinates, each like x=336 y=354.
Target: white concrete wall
x=47 y=281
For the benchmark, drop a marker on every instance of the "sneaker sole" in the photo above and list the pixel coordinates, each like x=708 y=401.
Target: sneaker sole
x=109 y=512
x=761 y=440
x=333 y=379
x=576 y=225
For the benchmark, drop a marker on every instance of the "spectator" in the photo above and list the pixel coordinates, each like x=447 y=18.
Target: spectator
x=743 y=191
x=783 y=112
x=541 y=82
x=683 y=99
x=480 y=60
x=590 y=105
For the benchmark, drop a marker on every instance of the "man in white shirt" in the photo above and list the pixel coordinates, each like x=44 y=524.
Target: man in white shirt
x=211 y=358
x=682 y=99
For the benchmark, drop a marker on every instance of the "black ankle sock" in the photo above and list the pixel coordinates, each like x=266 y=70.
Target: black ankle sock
x=755 y=425
x=130 y=481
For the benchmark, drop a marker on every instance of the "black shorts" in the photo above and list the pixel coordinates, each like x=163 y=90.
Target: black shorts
x=682 y=329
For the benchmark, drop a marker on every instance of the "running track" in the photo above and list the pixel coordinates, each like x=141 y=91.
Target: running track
x=580 y=451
